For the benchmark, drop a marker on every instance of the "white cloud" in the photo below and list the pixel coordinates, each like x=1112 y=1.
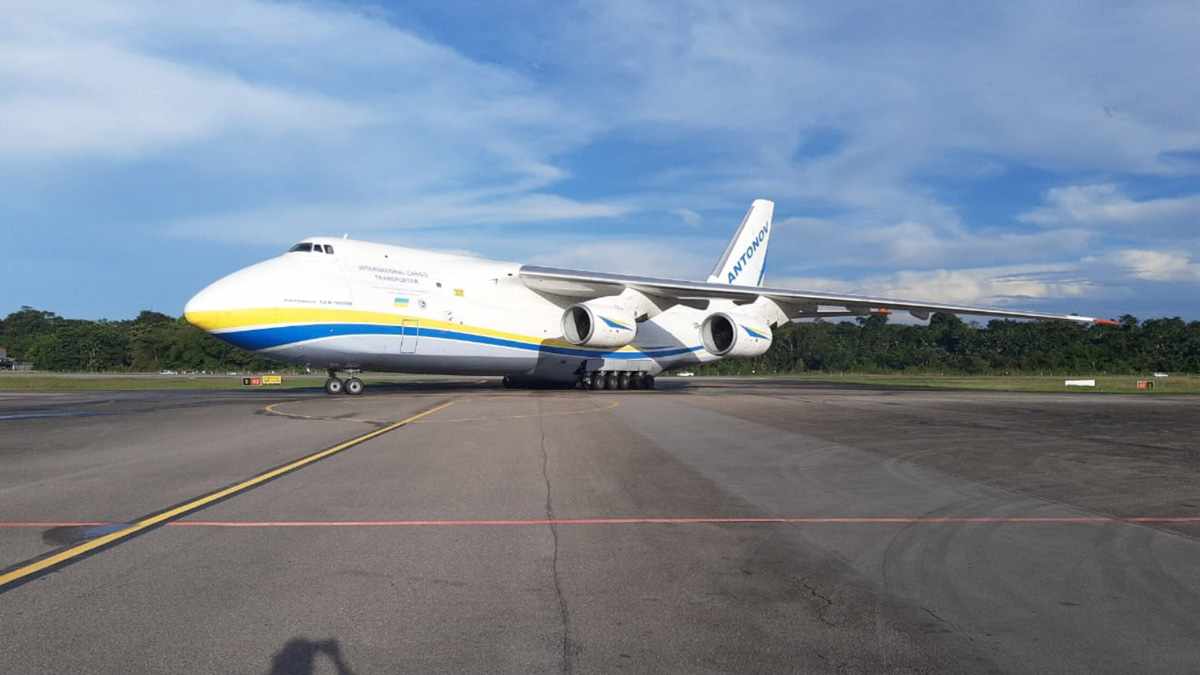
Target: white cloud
x=377 y=107
x=280 y=224
x=1166 y=266
x=984 y=286
x=1119 y=279
x=81 y=93
x=314 y=103
x=689 y=217
x=941 y=91
x=1106 y=206
x=800 y=243
x=660 y=258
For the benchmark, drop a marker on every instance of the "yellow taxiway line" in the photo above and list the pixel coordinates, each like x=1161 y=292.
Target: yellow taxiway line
x=25 y=571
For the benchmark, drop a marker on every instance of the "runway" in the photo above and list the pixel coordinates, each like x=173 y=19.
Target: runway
x=710 y=526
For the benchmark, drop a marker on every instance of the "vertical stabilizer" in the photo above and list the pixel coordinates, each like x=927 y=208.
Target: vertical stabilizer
x=745 y=259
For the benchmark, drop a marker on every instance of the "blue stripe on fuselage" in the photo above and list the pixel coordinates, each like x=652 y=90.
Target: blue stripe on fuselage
x=278 y=336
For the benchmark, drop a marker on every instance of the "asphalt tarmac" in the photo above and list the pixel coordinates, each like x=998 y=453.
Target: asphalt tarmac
x=709 y=526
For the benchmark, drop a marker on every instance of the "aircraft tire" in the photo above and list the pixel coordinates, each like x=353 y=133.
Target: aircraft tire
x=354 y=386
x=334 y=386
x=623 y=380
x=595 y=381
x=635 y=380
x=610 y=380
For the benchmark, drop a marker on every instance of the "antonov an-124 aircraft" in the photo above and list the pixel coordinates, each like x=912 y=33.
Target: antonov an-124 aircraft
x=346 y=306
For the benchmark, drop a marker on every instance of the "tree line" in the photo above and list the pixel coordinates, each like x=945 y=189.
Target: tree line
x=150 y=342
x=155 y=341
x=950 y=345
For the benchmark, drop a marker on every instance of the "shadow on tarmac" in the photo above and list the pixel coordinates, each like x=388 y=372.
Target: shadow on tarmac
x=299 y=656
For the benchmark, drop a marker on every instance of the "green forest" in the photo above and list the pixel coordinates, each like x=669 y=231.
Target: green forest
x=151 y=342
x=155 y=341
x=950 y=345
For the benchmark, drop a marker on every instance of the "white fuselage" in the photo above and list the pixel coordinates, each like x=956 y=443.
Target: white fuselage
x=368 y=306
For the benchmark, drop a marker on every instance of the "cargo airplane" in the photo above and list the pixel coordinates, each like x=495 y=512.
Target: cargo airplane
x=345 y=306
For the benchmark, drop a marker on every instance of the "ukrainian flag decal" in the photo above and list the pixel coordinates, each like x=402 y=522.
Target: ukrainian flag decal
x=400 y=301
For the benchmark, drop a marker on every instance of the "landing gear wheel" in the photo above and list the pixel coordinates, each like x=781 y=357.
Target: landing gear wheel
x=354 y=386
x=622 y=380
x=648 y=381
x=610 y=380
x=595 y=381
x=333 y=386
x=635 y=380
x=508 y=382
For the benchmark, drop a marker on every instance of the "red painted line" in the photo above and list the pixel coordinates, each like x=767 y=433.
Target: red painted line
x=1163 y=519
x=735 y=520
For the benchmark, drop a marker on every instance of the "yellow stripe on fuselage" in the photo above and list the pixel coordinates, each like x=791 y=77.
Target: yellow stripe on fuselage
x=266 y=317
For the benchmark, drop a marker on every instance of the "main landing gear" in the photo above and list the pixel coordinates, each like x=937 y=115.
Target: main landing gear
x=352 y=385
x=616 y=379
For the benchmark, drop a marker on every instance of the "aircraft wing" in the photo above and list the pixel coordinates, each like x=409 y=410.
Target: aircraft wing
x=795 y=304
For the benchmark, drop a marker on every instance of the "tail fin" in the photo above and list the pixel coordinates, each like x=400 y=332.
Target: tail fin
x=745 y=259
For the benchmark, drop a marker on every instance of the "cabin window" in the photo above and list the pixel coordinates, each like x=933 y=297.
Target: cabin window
x=328 y=249
x=303 y=246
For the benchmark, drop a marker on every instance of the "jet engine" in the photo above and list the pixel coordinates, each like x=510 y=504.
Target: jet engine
x=599 y=323
x=736 y=336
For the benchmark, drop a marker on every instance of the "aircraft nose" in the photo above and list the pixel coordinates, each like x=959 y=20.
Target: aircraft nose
x=251 y=296
x=206 y=308
x=249 y=292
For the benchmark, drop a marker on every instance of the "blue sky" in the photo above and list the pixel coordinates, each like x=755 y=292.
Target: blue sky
x=1041 y=155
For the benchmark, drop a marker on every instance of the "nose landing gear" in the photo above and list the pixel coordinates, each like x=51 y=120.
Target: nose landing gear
x=352 y=386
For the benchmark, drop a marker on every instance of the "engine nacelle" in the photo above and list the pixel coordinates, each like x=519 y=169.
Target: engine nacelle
x=735 y=336
x=599 y=323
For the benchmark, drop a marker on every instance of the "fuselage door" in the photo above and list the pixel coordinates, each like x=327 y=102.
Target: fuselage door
x=410 y=332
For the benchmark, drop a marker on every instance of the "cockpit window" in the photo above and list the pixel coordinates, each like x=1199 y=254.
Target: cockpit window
x=309 y=247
